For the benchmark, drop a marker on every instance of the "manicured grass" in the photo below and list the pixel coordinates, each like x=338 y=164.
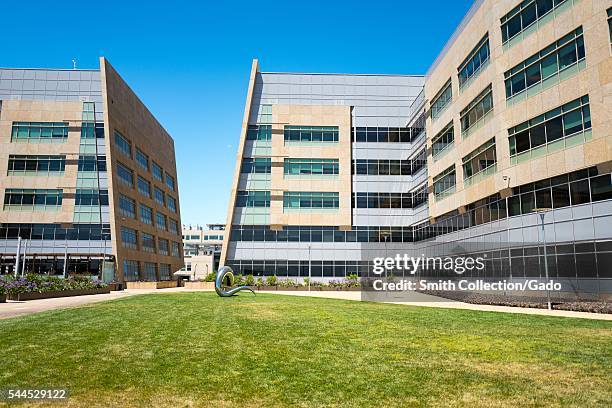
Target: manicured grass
x=196 y=349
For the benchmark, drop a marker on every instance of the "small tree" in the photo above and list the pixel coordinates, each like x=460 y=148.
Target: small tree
x=250 y=280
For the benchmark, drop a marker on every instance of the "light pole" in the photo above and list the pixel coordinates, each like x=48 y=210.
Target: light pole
x=25 y=253
x=542 y=213
x=17 y=256
x=309 y=266
x=385 y=235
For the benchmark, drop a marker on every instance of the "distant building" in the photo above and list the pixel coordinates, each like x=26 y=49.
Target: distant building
x=202 y=250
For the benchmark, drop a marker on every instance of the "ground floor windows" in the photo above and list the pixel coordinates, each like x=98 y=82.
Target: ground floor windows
x=150 y=271
x=131 y=271
x=80 y=232
x=310 y=200
x=164 y=271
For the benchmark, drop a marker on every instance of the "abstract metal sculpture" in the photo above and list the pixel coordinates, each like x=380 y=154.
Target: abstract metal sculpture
x=226 y=275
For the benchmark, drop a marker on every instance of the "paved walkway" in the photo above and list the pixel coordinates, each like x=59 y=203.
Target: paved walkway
x=14 y=309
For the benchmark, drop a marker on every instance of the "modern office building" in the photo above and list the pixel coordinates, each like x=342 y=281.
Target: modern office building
x=513 y=117
x=202 y=250
x=87 y=175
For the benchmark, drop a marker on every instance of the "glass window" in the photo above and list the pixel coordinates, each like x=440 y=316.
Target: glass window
x=610 y=23
x=129 y=238
x=142 y=159
x=555 y=124
x=170 y=182
x=601 y=187
x=39 y=165
x=481 y=159
x=549 y=61
x=306 y=200
x=160 y=221
x=127 y=206
x=171 y=203
x=173 y=226
x=477 y=109
x=444 y=183
x=442 y=100
x=144 y=187
x=123 y=145
x=125 y=175
x=147 y=242
x=162 y=246
x=37 y=132
x=524 y=15
x=475 y=60
x=580 y=192
x=131 y=270
x=561 y=196
x=259 y=132
x=159 y=196
x=257 y=165
x=32 y=199
x=253 y=198
x=146 y=214
x=307 y=167
x=158 y=172
x=311 y=134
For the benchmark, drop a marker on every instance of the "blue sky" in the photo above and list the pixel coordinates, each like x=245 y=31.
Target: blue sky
x=189 y=61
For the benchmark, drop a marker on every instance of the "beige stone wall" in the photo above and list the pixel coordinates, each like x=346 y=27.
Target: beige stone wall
x=125 y=113
x=311 y=115
x=595 y=80
x=40 y=111
x=241 y=143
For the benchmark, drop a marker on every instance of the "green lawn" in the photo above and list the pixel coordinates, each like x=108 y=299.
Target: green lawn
x=196 y=349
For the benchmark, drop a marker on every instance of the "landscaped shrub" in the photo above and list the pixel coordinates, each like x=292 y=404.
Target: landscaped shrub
x=353 y=281
x=250 y=280
x=272 y=280
x=259 y=282
x=40 y=283
x=210 y=277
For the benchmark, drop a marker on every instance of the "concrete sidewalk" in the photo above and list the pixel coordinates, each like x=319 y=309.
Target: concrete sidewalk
x=14 y=309
x=421 y=299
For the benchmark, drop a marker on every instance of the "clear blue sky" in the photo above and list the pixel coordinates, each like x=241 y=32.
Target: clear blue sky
x=189 y=61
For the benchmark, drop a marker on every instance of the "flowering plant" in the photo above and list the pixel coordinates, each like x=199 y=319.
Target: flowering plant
x=40 y=283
